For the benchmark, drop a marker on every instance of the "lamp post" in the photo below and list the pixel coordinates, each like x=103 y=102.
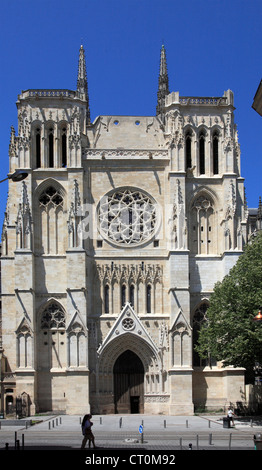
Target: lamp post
x=258 y=317
x=17 y=176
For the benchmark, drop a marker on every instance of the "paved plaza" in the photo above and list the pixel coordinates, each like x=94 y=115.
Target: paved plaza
x=160 y=433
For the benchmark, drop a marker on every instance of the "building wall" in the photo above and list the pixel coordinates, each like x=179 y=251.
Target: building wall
x=75 y=294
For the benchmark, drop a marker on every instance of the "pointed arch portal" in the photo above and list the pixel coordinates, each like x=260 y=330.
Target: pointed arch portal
x=128 y=383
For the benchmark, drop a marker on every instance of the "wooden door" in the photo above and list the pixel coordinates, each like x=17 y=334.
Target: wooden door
x=129 y=383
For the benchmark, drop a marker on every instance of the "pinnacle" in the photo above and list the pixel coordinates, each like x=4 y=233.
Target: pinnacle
x=82 y=86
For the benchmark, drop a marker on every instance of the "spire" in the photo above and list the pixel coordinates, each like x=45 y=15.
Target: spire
x=82 y=80
x=163 y=88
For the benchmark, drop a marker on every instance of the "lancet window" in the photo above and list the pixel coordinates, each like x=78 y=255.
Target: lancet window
x=64 y=147
x=202 y=225
x=38 y=147
x=53 y=150
x=51 y=147
x=51 y=224
x=52 y=327
x=24 y=346
x=148 y=298
x=199 y=319
x=202 y=153
x=140 y=285
x=188 y=139
x=215 y=142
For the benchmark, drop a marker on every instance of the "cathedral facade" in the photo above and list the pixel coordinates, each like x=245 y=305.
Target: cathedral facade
x=111 y=248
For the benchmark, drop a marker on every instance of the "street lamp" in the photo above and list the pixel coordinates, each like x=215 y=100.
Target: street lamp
x=258 y=317
x=18 y=175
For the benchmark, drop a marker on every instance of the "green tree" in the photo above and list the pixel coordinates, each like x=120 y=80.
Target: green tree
x=230 y=334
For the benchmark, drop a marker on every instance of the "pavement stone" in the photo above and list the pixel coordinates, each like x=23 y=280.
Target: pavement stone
x=119 y=435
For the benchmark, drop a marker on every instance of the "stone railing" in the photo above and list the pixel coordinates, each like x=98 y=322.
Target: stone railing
x=125 y=153
x=206 y=101
x=50 y=94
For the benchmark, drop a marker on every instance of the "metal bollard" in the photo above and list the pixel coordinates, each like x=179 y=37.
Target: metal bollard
x=190 y=446
x=6 y=446
x=120 y=422
x=230 y=439
x=180 y=443
x=210 y=439
x=164 y=423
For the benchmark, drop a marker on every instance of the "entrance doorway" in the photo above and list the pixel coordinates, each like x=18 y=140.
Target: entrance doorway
x=128 y=383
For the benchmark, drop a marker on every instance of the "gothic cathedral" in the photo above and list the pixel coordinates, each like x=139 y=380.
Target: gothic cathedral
x=111 y=248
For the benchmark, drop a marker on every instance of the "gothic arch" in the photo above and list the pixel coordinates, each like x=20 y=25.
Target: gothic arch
x=52 y=307
x=202 y=222
x=37 y=144
x=77 y=342
x=49 y=182
x=24 y=340
x=63 y=132
x=50 y=205
x=199 y=318
x=128 y=341
x=51 y=336
x=154 y=376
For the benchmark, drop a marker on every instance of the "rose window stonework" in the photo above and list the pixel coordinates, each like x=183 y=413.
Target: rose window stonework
x=127 y=216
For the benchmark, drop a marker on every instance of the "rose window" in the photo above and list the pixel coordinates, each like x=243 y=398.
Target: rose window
x=127 y=216
x=128 y=323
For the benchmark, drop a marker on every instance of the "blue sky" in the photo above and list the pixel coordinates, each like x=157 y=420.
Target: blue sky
x=212 y=45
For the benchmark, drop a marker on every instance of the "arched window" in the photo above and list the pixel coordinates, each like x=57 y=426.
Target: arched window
x=52 y=327
x=132 y=294
x=106 y=298
x=202 y=153
x=53 y=317
x=51 y=147
x=188 y=150
x=51 y=223
x=199 y=319
x=123 y=295
x=202 y=233
x=24 y=347
x=148 y=298
x=64 y=147
x=38 y=147
x=215 y=153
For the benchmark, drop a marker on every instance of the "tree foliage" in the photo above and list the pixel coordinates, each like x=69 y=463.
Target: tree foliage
x=230 y=334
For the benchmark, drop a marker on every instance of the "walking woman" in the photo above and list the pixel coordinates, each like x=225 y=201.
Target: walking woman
x=87 y=432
